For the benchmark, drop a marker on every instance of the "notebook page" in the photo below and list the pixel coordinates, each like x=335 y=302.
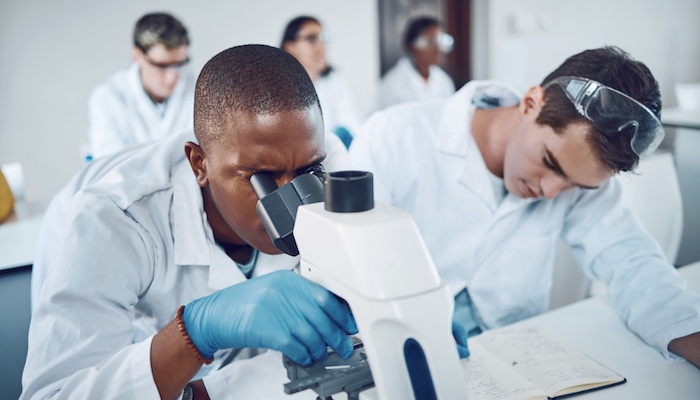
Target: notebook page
x=488 y=378
x=549 y=364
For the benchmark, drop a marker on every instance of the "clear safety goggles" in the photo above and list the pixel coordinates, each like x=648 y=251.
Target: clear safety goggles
x=323 y=37
x=177 y=66
x=612 y=111
x=444 y=41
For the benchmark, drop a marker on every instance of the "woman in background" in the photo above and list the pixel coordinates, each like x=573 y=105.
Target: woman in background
x=418 y=77
x=305 y=39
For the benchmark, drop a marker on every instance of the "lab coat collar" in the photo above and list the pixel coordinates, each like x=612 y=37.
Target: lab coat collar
x=194 y=242
x=193 y=239
x=455 y=136
x=406 y=66
x=191 y=231
x=133 y=178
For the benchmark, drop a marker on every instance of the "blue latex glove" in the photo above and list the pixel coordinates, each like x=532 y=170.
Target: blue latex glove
x=460 y=334
x=280 y=311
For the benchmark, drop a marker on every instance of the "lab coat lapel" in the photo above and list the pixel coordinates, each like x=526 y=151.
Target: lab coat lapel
x=194 y=239
x=191 y=231
x=455 y=138
x=513 y=203
x=223 y=271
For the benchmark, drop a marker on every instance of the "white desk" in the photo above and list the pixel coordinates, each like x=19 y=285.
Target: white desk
x=19 y=234
x=691 y=273
x=592 y=327
x=677 y=118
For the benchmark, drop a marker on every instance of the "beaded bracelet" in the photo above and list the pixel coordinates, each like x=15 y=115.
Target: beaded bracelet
x=183 y=331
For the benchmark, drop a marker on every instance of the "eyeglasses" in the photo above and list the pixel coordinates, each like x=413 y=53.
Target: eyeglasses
x=177 y=66
x=612 y=111
x=322 y=37
x=444 y=41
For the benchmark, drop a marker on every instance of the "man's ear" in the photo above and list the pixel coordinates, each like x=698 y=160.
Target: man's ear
x=532 y=102
x=198 y=162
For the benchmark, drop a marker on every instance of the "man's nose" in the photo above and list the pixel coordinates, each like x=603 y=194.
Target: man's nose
x=552 y=185
x=286 y=178
x=172 y=75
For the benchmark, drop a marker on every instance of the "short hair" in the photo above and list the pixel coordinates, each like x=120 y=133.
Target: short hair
x=415 y=27
x=256 y=79
x=294 y=26
x=160 y=28
x=612 y=67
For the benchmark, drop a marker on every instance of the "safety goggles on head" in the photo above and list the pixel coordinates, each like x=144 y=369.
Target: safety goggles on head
x=612 y=111
x=444 y=41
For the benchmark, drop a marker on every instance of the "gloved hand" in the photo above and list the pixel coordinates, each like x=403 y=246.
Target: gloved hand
x=280 y=311
x=460 y=335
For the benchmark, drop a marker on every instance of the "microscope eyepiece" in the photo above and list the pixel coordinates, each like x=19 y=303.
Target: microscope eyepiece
x=349 y=191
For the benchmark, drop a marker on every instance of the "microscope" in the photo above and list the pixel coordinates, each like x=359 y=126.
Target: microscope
x=372 y=256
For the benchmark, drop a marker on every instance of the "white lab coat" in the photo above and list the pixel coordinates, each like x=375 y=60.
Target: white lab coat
x=121 y=114
x=403 y=84
x=425 y=161
x=136 y=247
x=337 y=102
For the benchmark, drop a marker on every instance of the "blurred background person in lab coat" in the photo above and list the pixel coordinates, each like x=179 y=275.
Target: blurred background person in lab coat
x=417 y=76
x=305 y=39
x=151 y=99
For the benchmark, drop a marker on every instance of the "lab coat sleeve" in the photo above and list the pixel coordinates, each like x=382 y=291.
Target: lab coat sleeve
x=260 y=377
x=611 y=245
x=386 y=95
x=52 y=226
x=81 y=335
x=348 y=116
x=372 y=151
x=106 y=120
x=337 y=158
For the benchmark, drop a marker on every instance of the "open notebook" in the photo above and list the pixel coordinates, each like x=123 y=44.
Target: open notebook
x=526 y=364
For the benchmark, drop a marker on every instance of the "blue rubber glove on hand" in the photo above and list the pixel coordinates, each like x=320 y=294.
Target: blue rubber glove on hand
x=460 y=334
x=280 y=311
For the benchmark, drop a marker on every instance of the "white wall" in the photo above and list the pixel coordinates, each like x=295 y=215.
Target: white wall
x=54 y=52
x=527 y=39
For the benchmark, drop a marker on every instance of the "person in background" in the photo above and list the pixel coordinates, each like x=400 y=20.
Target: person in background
x=493 y=179
x=417 y=76
x=305 y=39
x=151 y=99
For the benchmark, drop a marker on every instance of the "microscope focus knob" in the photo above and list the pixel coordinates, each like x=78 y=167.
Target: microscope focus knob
x=349 y=191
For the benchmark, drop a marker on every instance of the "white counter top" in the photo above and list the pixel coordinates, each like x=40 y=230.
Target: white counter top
x=19 y=234
x=677 y=118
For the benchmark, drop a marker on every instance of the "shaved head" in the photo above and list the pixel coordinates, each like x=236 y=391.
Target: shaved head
x=253 y=79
